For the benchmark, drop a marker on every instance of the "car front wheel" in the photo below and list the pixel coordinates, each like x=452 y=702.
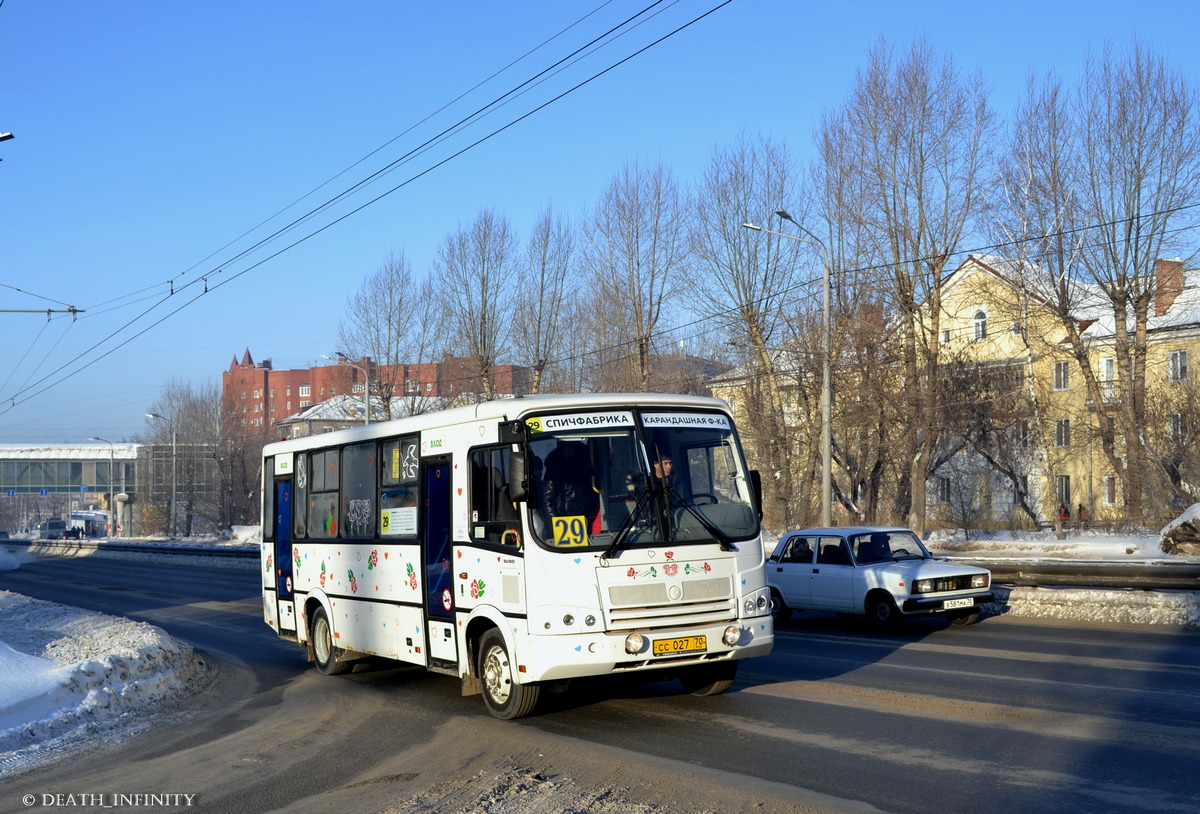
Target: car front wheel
x=780 y=612
x=969 y=617
x=882 y=611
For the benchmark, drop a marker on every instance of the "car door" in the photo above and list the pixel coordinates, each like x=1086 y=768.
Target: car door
x=832 y=582
x=792 y=572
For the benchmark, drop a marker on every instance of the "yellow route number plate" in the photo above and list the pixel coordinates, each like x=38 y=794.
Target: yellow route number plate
x=686 y=644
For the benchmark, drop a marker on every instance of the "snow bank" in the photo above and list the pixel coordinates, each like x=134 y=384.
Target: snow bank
x=68 y=676
x=1124 y=607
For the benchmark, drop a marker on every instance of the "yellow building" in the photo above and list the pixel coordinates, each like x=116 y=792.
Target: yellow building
x=993 y=316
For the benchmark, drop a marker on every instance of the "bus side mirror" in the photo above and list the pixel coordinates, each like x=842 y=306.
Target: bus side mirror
x=756 y=484
x=517 y=488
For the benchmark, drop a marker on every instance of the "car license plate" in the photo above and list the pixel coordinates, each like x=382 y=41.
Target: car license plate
x=686 y=644
x=958 y=603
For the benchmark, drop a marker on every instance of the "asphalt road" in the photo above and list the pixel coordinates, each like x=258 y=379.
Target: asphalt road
x=1017 y=715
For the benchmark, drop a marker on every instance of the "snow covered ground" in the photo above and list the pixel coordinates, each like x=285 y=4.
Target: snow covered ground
x=68 y=675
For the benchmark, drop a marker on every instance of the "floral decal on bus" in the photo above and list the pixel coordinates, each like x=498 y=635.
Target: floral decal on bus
x=412 y=577
x=477 y=588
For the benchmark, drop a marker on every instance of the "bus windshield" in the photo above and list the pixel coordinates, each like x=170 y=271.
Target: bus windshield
x=623 y=479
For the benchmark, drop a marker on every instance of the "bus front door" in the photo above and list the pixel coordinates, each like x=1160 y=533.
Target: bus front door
x=283 y=554
x=439 y=595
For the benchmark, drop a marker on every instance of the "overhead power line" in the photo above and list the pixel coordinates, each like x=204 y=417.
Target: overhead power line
x=76 y=365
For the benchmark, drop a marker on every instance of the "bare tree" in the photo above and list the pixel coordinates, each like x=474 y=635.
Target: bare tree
x=189 y=455
x=389 y=320
x=1100 y=184
x=545 y=302
x=743 y=282
x=635 y=251
x=475 y=270
x=918 y=130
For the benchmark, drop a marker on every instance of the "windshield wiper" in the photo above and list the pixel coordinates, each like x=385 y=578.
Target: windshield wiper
x=619 y=538
x=717 y=533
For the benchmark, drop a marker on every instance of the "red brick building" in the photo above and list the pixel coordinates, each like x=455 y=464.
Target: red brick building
x=258 y=395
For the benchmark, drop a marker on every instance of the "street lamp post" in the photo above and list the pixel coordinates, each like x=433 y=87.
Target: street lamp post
x=827 y=364
x=111 y=521
x=174 y=466
x=366 y=383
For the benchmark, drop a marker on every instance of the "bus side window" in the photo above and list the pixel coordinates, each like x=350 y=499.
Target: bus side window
x=493 y=513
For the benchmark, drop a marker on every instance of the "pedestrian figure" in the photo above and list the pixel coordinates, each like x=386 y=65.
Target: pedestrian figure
x=1064 y=514
x=1082 y=516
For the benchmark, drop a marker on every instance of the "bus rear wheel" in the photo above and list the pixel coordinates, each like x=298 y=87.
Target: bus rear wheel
x=504 y=697
x=324 y=652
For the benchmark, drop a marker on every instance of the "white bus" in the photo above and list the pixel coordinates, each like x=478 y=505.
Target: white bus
x=522 y=542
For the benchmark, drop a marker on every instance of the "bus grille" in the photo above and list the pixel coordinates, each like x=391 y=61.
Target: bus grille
x=700 y=601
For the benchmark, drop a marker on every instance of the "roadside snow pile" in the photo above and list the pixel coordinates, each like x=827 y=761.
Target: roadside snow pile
x=70 y=676
x=1079 y=544
x=1097 y=605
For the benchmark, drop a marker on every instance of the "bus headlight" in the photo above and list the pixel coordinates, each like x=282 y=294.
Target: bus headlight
x=733 y=634
x=634 y=643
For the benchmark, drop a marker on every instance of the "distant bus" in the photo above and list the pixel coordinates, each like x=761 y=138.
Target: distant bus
x=522 y=542
x=51 y=529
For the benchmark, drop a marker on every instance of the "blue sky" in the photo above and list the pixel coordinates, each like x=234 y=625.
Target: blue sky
x=154 y=141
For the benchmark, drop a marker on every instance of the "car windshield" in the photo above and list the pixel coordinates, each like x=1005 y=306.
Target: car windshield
x=887 y=546
x=622 y=479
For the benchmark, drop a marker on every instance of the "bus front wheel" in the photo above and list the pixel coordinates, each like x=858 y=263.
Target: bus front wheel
x=324 y=652
x=709 y=679
x=504 y=697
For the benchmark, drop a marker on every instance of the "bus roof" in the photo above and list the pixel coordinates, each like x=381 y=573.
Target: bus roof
x=497 y=409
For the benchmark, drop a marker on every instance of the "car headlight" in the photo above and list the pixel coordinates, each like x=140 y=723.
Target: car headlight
x=980 y=580
x=923 y=586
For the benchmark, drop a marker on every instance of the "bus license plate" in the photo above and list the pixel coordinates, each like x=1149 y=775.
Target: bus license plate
x=958 y=603
x=686 y=644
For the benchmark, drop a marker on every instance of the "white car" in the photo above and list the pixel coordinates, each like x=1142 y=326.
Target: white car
x=885 y=573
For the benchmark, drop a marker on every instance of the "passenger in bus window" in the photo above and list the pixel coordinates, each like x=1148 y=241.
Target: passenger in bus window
x=569 y=475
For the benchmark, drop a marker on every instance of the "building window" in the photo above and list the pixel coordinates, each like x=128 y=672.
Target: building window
x=1062 y=432
x=412 y=387
x=1020 y=488
x=1110 y=490
x=1022 y=435
x=941 y=486
x=945 y=336
x=305 y=390
x=1016 y=329
x=1178 y=427
x=1063 y=484
x=980 y=325
x=1177 y=366
x=1108 y=378
x=1062 y=375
